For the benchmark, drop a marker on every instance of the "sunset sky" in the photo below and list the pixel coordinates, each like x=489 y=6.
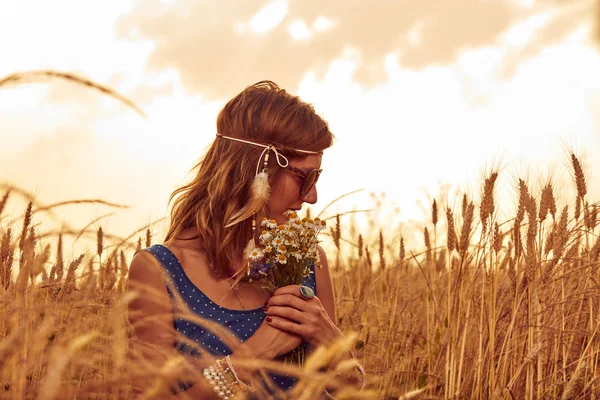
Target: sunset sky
x=423 y=98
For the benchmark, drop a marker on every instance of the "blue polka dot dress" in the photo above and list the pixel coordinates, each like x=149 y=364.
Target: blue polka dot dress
x=242 y=323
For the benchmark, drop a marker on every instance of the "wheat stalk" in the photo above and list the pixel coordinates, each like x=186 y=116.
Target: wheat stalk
x=486 y=209
x=3 y=201
x=37 y=76
x=381 y=252
x=465 y=232
x=401 y=250
x=451 y=240
x=580 y=182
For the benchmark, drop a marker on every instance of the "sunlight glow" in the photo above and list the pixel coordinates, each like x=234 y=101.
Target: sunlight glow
x=415 y=33
x=421 y=122
x=524 y=3
x=298 y=30
x=323 y=24
x=522 y=33
x=268 y=17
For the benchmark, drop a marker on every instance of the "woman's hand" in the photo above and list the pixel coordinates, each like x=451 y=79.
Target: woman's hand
x=288 y=311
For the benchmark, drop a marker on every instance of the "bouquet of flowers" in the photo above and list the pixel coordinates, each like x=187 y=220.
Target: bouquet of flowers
x=284 y=256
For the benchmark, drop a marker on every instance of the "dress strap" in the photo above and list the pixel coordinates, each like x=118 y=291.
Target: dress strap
x=166 y=259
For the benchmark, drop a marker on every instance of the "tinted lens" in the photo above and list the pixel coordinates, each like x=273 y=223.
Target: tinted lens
x=309 y=182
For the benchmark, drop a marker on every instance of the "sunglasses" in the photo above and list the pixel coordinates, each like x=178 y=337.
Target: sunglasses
x=309 y=178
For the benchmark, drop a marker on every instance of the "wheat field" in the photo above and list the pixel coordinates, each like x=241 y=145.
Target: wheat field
x=488 y=307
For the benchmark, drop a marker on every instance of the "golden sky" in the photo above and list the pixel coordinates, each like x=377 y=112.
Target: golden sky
x=421 y=95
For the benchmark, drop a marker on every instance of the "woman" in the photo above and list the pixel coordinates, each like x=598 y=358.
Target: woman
x=263 y=132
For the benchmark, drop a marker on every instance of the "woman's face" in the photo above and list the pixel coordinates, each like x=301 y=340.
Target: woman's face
x=285 y=191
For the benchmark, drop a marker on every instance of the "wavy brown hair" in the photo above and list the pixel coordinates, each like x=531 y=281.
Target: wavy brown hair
x=262 y=113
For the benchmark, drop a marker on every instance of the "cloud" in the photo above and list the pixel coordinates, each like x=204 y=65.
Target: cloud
x=554 y=24
x=214 y=56
x=217 y=53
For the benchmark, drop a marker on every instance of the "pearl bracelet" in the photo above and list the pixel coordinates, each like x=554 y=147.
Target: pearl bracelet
x=220 y=384
x=223 y=379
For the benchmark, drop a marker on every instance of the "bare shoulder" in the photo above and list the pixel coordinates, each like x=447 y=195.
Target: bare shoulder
x=149 y=310
x=145 y=269
x=148 y=279
x=147 y=283
x=323 y=264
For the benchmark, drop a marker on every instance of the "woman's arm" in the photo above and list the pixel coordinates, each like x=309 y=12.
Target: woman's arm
x=325 y=291
x=151 y=318
x=324 y=285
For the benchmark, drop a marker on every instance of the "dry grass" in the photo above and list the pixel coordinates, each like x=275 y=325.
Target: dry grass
x=487 y=309
x=510 y=311
x=20 y=78
x=504 y=309
x=63 y=329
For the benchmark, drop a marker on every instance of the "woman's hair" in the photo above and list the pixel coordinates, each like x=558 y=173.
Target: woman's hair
x=262 y=113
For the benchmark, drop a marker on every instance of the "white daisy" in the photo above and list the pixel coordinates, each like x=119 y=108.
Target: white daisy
x=256 y=255
x=265 y=235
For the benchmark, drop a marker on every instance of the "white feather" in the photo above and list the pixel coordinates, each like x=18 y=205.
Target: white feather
x=260 y=191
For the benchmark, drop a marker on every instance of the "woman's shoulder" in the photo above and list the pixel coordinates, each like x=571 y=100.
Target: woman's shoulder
x=145 y=267
x=322 y=264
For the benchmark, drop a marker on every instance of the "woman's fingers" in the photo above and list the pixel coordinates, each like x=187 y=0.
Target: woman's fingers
x=290 y=289
x=308 y=332
x=288 y=313
x=289 y=300
x=290 y=310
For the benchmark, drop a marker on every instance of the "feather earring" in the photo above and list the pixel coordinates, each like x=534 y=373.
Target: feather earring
x=260 y=192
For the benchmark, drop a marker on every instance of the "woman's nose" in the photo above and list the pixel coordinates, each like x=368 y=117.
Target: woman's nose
x=311 y=196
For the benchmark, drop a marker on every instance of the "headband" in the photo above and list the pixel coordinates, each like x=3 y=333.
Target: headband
x=267 y=149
